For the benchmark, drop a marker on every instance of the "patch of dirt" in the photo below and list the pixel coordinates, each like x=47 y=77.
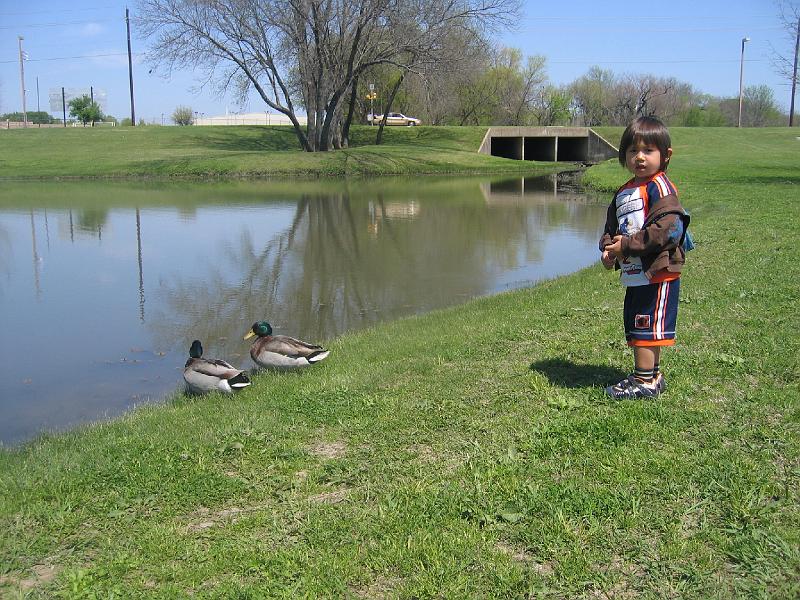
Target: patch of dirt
x=625 y=588
x=427 y=455
x=378 y=589
x=545 y=569
x=333 y=497
x=40 y=574
x=203 y=518
x=328 y=450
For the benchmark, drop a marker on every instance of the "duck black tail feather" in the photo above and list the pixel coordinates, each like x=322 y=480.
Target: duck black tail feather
x=240 y=381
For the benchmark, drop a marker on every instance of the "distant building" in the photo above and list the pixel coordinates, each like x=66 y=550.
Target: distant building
x=255 y=118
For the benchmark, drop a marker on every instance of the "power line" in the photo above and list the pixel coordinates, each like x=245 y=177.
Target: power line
x=652 y=62
x=57 y=10
x=73 y=57
x=687 y=30
x=651 y=19
x=35 y=25
x=566 y=61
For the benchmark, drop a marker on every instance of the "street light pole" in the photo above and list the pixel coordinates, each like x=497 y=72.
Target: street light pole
x=22 y=81
x=741 y=81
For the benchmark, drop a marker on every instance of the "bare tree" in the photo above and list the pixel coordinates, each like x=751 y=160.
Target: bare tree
x=785 y=64
x=761 y=109
x=183 y=115
x=306 y=53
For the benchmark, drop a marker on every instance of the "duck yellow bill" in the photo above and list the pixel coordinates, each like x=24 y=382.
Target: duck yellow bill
x=249 y=335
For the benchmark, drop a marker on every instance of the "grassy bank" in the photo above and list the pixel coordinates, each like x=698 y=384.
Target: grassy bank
x=241 y=151
x=469 y=453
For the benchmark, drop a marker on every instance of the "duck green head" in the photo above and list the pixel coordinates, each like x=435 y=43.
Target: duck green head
x=196 y=351
x=261 y=329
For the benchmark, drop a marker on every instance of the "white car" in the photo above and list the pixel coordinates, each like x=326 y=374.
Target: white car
x=395 y=118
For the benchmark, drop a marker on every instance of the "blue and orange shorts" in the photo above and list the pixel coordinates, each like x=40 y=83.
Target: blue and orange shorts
x=651 y=313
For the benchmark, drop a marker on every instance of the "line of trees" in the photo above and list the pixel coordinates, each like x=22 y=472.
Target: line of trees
x=505 y=89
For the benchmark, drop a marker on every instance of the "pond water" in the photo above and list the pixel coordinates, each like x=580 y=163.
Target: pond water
x=103 y=286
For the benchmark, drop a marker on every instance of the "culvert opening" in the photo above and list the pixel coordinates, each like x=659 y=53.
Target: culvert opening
x=540 y=148
x=573 y=149
x=507 y=147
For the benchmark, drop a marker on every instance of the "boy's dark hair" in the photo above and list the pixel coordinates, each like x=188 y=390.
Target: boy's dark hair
x=649 y=130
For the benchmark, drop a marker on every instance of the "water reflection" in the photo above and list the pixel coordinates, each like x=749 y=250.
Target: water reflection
x=137 y=271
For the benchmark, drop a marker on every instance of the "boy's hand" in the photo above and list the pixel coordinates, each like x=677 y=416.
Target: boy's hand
x=608 y=259
x=615 y=247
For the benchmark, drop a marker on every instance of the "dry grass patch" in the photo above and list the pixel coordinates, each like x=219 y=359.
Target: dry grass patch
x=332 y=497
x=379 y=589
x=203 y=518
x=328 y=450
x=521 y=555
x=39 y=575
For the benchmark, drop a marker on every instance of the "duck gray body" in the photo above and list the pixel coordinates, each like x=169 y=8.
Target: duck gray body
x=282 y=352
x=203 y=375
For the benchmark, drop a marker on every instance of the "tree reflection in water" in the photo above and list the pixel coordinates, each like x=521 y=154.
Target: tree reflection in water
x=365 y=253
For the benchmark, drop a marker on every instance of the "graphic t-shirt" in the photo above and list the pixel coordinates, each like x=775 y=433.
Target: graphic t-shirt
x=632 y=203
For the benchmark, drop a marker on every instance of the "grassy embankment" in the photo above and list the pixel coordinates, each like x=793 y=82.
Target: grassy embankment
x=469 y=453
x=242 y=152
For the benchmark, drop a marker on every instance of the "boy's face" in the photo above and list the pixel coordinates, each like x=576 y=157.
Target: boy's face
x=644 y=160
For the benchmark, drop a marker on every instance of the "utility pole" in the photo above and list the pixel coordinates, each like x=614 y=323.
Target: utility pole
x=794 y=72
x=38 y=108
x=22 y=81
x=741 y=81
x=130 y=65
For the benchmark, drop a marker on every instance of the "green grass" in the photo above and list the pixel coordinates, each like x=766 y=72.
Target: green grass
x=241 y=151
x=469 y=453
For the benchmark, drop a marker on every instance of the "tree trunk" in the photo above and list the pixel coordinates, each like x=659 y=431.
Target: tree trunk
x=350 y=111
x=388 y=108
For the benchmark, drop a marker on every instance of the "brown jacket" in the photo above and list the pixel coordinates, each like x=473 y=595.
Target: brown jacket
x=659 y=242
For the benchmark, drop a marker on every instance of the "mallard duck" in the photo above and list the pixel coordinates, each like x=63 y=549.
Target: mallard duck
x=281 y=351
x=204 y=375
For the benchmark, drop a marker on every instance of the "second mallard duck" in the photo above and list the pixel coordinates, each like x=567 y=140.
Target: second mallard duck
x=203 y=375
x=281 y=351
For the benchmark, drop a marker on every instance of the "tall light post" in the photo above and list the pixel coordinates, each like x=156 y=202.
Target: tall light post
x=22 y=58
x=741 y=81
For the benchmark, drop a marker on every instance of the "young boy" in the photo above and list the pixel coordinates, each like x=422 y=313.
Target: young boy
x=643 y=237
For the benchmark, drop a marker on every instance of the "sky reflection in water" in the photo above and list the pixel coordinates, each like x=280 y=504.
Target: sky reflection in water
x=103 y=286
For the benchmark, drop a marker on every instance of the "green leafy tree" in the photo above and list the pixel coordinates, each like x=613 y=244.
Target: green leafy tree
x=553 y=106
x=37 y=117
x=85 y=110
x=705 y=114
x=183 y=115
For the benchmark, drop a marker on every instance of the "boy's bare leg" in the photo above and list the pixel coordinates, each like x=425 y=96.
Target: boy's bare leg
x=645 y=357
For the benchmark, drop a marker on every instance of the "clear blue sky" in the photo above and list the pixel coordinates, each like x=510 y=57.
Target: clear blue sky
x=82 y=43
